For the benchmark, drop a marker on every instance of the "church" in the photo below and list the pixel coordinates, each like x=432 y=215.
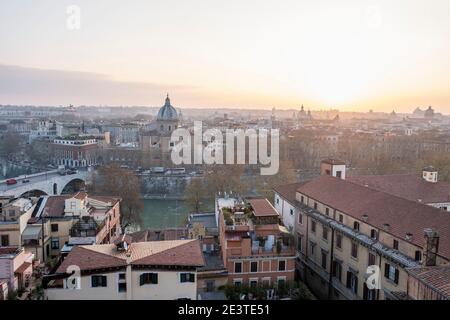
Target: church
x=155 y=138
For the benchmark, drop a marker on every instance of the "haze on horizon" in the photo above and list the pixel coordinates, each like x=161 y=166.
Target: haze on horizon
x=349 y=54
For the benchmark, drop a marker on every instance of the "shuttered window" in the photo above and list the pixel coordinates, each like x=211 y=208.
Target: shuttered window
x=148 y=278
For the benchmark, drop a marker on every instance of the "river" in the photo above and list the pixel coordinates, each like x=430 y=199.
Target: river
x=160 y=213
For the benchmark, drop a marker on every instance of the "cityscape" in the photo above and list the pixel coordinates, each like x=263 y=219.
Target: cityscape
x=130 y=187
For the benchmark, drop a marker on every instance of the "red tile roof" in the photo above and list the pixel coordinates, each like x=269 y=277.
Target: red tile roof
x=407 y=186
x=262 y=208
x=403 y=216
x=437 y=277
x=153 y=253
x=9 y=250
x=288 y=191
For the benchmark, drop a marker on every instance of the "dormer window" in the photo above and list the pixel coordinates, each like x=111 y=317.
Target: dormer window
x=356 y=225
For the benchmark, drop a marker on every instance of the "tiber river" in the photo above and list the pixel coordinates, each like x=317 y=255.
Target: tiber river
x=166 y=213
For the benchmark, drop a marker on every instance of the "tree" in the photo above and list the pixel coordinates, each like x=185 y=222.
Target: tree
x=286 y=174
x=115 y=181
x=9 y=143
x=226 y=178
x=194 y=193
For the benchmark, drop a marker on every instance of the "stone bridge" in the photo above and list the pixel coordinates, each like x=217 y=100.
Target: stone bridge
x=49 y=182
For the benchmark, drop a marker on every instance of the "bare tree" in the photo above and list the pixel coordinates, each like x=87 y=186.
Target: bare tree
x=194 y=193
x=115 y=181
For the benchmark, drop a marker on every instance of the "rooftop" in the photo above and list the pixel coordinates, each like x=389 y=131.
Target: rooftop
x=403 y=216
x=154 y=253
x=406 y=186
x=262 y=208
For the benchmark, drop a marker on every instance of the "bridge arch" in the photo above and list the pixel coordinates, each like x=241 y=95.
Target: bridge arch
x=73 y=186
x=33 y=193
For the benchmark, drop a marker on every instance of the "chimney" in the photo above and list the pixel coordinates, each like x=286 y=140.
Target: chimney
x=386 y=227
x=365 y=217
x=408 y=236
x=333 y=167
x=430 y=247
x=430 y=174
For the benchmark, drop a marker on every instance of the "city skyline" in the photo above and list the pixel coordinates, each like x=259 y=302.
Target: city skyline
x=353 y=56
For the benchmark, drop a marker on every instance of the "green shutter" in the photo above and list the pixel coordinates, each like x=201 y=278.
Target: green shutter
x=192 y=277
x=396 y=276
x=104 y=281
x=183 y=277
x=154 y=278
x=141 y=279
x=386 y=270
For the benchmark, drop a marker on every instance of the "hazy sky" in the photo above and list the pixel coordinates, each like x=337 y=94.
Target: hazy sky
x=347 y=54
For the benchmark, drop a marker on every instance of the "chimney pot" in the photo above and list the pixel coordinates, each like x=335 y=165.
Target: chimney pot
x=386 y=227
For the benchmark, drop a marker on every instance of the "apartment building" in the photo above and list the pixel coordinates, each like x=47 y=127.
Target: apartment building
x=342 y=228
x=155 y=270
x=256 y=249
x=15 y=270
x=70 y=220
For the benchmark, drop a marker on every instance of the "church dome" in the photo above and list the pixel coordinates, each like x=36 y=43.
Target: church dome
x=167 y=112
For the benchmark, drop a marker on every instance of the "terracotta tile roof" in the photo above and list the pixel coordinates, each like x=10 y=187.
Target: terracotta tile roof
x=407 y=186
x=262 y=208
x=437 y=277
x=88 y=259
x=54 y=207
x=9 y=250
x=23 y=267
x=403 y=216
x=287 y=191
x=173 y=253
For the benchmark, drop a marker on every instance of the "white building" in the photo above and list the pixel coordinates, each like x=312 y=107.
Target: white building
x=156 y=270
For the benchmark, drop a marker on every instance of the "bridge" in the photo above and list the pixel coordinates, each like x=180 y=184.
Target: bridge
x=48 y=182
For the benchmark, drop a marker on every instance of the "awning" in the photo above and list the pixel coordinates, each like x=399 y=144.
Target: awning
x=283 y=229
x=32 y=233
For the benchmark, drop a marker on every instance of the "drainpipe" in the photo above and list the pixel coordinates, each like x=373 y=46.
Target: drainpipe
x=330 y=277
x=128 y=277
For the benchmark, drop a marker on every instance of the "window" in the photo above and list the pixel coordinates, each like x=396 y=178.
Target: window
x=278 y=200
x=372 y=259
x=122 y=287
x=341 y=218
x=339 y=240
x=312 y=245
x=12 y=213
x=254 y=266
x=291 y=212
x=337 y=270
x=300 y=218
x=302 y=199
x=391 y=272
x=282 y=265
x=148 y=278
x=354 y=250
x=5 y=240
x=299 y=242
x=253 y=283
x=325 y=233
x=237 y=282
x=237 y=267
x=327 y=211
x=373 y=234
x=122 y=276
x=187 y=277
x=55 y=243
x=352 y=282
x=315 y=205
x=324 y=259
x=356 y=225
x=418 y=255
x=395 y=244
x=281 y=282
x=313 y=226
x=339 y=174
x=98 y=281
x=54 y=227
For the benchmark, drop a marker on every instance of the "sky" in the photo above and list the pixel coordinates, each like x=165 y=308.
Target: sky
x=354 y=55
